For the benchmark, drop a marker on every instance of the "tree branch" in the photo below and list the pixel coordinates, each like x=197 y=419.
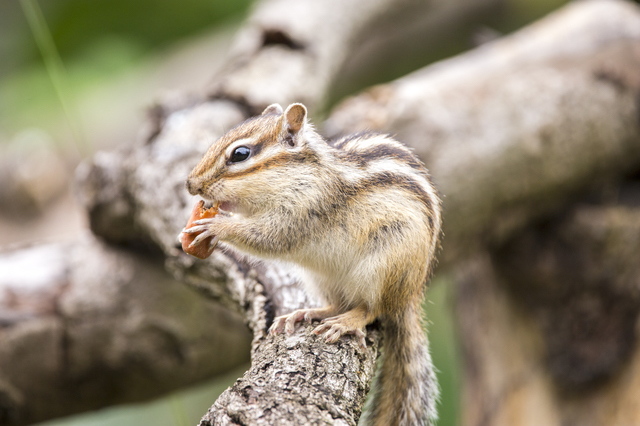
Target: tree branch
x=84 y=325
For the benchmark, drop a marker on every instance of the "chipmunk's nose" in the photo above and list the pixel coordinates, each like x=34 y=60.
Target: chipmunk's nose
x=192 y=187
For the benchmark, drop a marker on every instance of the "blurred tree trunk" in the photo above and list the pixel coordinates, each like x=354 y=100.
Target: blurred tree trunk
x=85 y=324
x=549 y=320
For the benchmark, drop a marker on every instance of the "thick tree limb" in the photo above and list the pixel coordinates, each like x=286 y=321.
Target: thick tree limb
x=85 y=325
x=271 y=392
x=296 y=51
x=513 y=129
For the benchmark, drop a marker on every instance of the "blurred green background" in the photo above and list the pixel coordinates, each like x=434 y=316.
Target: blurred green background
x=77 y=52
x=80 y=74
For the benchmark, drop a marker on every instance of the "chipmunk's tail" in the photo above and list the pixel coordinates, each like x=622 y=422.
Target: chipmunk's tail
x=405 y=389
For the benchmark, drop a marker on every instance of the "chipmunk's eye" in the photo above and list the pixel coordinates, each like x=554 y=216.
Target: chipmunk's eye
x=241 y=153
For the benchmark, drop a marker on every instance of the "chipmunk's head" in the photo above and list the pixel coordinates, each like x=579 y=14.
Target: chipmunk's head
x=257 y=160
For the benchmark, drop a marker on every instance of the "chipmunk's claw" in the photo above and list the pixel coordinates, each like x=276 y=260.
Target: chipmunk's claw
x=203 y=222
x=194 y=229
x=332 y=329
x=287 y=323
x=201 y=237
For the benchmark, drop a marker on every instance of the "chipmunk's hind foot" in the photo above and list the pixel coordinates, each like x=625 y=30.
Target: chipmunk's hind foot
x=288 y=322
x=351 y=322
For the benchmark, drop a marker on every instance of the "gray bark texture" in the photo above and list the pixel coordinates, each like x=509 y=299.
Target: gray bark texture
x=511 y=132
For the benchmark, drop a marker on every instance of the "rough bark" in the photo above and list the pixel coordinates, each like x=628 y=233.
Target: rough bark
x=549 y=321
x=297 y=380
x=512 y=130
x=84 y=325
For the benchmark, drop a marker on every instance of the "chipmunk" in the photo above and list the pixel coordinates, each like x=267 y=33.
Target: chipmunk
x=359 y=216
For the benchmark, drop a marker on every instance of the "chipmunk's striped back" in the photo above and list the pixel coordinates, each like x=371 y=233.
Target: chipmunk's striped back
x=388 y=162
x=406 y=388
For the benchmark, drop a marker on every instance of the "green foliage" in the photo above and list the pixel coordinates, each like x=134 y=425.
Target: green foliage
x=72 y=50
x=150 y=24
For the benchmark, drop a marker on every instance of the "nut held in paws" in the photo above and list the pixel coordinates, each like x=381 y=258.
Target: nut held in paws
x=204 y=249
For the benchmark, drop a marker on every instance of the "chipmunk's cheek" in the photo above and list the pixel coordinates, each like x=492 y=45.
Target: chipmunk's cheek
x=228 y=206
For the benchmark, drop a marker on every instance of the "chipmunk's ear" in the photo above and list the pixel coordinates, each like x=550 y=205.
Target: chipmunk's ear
x=295 y=118
x=273 y=109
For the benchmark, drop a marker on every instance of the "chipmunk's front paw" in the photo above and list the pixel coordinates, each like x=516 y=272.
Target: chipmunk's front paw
x=200 y=236
x=204 y=231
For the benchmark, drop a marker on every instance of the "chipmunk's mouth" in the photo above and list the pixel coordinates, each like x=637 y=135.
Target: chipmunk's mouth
x=225 y=207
